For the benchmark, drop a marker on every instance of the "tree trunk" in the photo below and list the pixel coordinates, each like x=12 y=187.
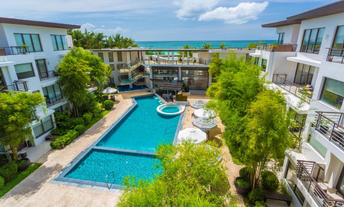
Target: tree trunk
x=14 y=151
x=75 y=110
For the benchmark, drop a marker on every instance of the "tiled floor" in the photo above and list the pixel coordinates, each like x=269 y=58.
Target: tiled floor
x=34 y=153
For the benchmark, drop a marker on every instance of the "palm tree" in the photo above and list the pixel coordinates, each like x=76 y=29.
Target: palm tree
x=206 y=45
x=222 y=46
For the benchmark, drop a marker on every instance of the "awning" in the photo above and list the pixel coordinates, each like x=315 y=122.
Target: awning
x=305 y=60
x=168 y=85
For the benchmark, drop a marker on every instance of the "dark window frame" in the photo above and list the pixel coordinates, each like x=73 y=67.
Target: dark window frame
x=334 y=39
x=110 y=54
x=280 y=40
x=323 y=89
x=33 y=45
x=303 y=67
x=338 y=182
x=45 y=89
x=57 y=46
x=119 y=54
x=45 y=131
x=316 y=40
x=101 y=56
x=32 y=69
x=39 y=69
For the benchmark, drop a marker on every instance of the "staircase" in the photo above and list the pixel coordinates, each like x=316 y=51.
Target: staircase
x=133 y=78
x=125 y=68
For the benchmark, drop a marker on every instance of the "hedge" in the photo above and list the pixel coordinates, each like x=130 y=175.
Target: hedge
x=256 y=195
x=269 y=181
x=181 y=97
x=87 y=117
x=2 y=182
x=108 y=104
x=9 y=171
x=80 y=128
x=65 y=139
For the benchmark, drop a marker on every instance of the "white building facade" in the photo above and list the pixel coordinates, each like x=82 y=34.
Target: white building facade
x=29 y=54
x=307 y=65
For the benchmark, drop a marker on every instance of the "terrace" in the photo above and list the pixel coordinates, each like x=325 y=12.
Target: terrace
x=335 y=55
x=14 y=50
x=299 y=91
x=17 y=86
x=278 y=47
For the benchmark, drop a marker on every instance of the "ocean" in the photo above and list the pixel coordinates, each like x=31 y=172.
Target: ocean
x=198 y=44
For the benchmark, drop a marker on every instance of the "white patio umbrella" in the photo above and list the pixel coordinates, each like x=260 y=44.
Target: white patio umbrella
x=193 y=134
x=198 y=104
x=109 y=90
x=200 y=113
x=204 y=123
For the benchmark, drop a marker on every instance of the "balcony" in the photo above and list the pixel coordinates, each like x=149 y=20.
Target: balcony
x=124 y=68
x=309 y=173
x=299 y=91
x=335 y=55
x=278 y=47
x=17 y=86
x=329 y=125
x=14 y=50
x=161 y=61
x=53 y=100
x=132 y=78
x=43 y=75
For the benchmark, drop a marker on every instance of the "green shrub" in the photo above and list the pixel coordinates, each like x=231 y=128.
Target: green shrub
x=108 y=104
x=65 y=139
x=181 y=97
x=97 y=109
x=3 y=160
x=59 y=131
x=9 y=171
x=269 y=181
x=256 y=195
x=245 y=172
x=260 y=204
x=80 y=128
x=77 y=121
x=2 y=182
x=243 y=183
x=87 y=117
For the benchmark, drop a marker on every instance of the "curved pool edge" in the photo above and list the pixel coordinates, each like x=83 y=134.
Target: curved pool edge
x=163 y=106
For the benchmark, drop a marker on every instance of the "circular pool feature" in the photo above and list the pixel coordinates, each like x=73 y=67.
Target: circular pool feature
x=170 y=109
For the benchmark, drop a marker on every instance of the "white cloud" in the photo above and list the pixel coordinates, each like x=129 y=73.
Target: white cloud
x=91 y=27
x=240 y=14
x=190 y=9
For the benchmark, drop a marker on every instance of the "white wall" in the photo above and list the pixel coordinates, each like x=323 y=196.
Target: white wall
x=291 y=33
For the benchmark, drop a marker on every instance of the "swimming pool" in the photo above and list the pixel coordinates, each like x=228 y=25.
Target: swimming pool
x=126 y=148
x=135 y=87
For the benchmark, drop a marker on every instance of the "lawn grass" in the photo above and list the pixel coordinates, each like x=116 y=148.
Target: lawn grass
x=21 y=176
x=96 y=119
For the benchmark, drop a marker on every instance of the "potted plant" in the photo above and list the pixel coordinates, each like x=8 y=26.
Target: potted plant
x=185 y=87
x=25 y=48
x=23 y=164
x=242 y=185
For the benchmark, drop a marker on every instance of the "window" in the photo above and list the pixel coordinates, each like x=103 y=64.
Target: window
x=42 y=68
x=59 y=42
x=43 y=126
x=197 y=79
x=280 y=38
x=264 y=63
x=312 y=39
x=52 y=94
x=32 y=41
x=340 y=184
x=304 y=74
x=24 y=71
x=338 y=42
x=110 y=56
x=333 y=92
x=101 y=55
x=119 y=57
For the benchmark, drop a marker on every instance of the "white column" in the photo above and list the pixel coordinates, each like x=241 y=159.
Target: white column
x=151 y=77
x=128 y=57
x=209 y=81
x=182 y=57
x=168 y=56
x=179 y=73
x=188 y=57
x=158 y=60
x=172 y=57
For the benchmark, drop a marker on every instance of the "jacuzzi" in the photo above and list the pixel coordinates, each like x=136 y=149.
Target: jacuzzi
x=170 y=109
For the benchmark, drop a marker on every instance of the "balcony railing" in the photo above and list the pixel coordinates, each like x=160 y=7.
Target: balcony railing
x=129 y=67
x=53 y=100
x=47 y=74
x=308 y=173
x=17 y=86
x=278 y=47
x=155 y=61
x=335 y=55
x=329 y=125
x=293 y=88
x=132 y=78
x=14 y=50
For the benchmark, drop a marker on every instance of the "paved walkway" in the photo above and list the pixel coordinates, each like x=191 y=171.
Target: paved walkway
x=36 y=190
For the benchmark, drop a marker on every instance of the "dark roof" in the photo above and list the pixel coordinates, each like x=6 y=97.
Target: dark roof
x=280 y=24
x=329 y=9
x=38 y=23
x=168 y=85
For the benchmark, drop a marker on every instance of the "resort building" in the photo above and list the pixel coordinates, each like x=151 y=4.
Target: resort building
x=307 y=65
x=137 y=68
x=29 y=53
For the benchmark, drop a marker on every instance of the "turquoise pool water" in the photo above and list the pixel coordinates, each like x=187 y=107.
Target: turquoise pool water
x=171 y=109
x=143 y=129
x=99 y=163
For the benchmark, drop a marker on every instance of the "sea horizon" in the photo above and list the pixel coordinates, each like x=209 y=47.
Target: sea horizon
x=170 y=44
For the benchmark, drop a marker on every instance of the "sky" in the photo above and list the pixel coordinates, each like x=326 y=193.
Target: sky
x=165 y=20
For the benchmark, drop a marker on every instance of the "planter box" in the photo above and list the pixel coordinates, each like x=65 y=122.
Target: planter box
x=241 y=190
x=25 y=165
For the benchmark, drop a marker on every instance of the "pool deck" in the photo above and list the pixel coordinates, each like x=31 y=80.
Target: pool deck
x=36 y=190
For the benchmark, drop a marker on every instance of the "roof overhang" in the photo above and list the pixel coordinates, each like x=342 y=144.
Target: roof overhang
x=305 y=60
x=38 y=23
x=281 y=24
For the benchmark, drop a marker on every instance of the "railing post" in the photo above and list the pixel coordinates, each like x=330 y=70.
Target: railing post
x=331 y=132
